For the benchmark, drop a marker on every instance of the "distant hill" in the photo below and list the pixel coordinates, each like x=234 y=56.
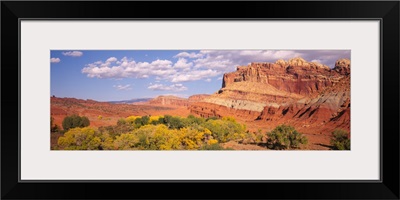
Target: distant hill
x=130 y=101
x=169 y=100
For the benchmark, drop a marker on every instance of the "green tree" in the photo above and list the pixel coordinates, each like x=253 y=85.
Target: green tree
x=340 y=140
x=145 y=120
x=173 y=122
x=74 y=121
x=192 y=120
x=84 y=122
x=285 y=137
x=67 y=123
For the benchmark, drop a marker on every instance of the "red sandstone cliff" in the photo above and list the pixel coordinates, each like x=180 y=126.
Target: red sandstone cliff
x=297 y=92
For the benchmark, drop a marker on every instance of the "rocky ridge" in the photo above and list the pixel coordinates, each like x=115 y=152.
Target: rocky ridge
x=297 y=92
x=169 y=100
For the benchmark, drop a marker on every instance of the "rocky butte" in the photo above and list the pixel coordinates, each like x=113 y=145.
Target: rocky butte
x=169 y=100
x=308 y=95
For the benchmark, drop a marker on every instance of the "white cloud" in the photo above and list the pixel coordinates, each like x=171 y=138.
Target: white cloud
x=326 y=57
x=128 y=68
x=228 y=60
x=123 y=87
x=194 y=75
x=73 y=53
x=219 y=78
x=208 y=80
x=111 y=59
x=189 y=55
x=173 y=87
x=55 y=60
x=203 y=65
x=183 y=64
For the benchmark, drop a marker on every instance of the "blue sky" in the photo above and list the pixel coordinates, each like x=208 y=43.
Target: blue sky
x=110 y=75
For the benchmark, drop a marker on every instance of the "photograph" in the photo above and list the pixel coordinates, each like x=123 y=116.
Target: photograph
x=200 y=99
x=251 y=98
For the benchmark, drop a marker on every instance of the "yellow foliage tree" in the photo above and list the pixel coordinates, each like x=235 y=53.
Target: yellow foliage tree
x=154 y=118
x=125 y=141
x=79 y=139
x=131 y=119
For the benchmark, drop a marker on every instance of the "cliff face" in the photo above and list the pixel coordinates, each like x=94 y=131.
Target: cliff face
x=294 y=92
x=294 y=76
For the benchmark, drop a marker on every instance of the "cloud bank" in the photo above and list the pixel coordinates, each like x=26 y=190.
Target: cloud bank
x=199 y=65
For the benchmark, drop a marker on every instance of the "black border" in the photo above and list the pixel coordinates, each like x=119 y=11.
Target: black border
x=387 y=12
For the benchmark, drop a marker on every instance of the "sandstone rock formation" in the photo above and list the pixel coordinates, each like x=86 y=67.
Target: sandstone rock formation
x=169 y=100
x=297 y=92
x=197 y=97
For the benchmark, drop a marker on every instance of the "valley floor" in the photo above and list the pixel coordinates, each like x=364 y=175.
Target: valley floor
x=317 y=140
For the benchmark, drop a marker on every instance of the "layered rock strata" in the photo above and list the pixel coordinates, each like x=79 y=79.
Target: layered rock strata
x=296 y=92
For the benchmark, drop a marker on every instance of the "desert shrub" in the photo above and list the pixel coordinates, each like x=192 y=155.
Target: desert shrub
x=80 y=139
x=153 y=119
x=156 y=133
x=212 y=118
x=160 y=137
x=107 y=142
x=160 y=120
x=144 y=135
x=230 y=119
x=192 y=120
x=54 y=128
x=84 y=121
x=215 y=146
x=173 y=122
x=285 y=137
x=258 y=138
x=212 y=141
x=116 y=130
x=340 y=140
x=85 y=139
x=131 y=119
x=145 y=120
x=138 y=121
x=121 y=121
x=74 y=121
x=165 y=139
x=226 y=129
x=193 y=138
x=125 y=141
